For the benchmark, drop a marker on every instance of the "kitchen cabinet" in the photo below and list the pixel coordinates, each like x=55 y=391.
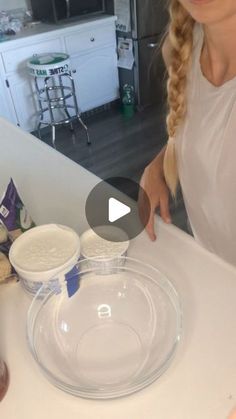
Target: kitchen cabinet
x=94 y=65
x=92 y=49
x=99 y=67
x=6 y=105
x=23 y=99
x=20 y=84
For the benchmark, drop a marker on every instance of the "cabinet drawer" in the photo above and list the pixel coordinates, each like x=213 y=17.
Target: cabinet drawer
x=16 y=59
x=91 y=39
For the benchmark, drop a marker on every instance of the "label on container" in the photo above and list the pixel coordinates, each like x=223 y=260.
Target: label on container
x=72 y=281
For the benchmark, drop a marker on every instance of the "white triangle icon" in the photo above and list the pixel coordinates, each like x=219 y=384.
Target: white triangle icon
x=117 y=210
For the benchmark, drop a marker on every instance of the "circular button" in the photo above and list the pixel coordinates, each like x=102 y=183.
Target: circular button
x=114 y=202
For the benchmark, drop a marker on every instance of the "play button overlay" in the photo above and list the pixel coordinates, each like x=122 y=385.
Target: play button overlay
x=117 y=210
x=114 y=202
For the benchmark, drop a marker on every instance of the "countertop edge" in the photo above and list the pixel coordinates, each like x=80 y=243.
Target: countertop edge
x=44 y=30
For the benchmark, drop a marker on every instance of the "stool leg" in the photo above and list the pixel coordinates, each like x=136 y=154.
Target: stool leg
x=77 y=111
x=40 y=118
x=53 y=135
x=38 y=130
x=46 y=87
x=64 y=103
x=85 y=127
x=69 y=117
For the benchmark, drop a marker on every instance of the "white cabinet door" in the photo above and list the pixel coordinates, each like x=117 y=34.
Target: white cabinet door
x=96 y=77
x=6 y=105
x=20 y=83
x=20 y=86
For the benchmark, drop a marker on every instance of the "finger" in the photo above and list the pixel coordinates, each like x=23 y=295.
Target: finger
x=164 y=209
x=150 y=226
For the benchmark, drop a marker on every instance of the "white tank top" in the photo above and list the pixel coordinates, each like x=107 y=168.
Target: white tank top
x=206 y=155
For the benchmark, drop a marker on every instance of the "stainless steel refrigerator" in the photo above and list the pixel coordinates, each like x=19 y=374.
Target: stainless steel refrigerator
x=149 y=19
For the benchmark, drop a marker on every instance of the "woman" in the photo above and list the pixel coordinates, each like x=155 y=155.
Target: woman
x=200 y=55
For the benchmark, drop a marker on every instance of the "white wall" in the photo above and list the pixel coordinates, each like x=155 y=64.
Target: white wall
x=12 y=4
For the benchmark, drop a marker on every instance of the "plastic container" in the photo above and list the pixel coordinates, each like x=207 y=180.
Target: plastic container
x=93 y=245
x=42 y=252
x=115 y=335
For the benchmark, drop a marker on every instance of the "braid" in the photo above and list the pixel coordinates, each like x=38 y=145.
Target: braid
x=181 y=39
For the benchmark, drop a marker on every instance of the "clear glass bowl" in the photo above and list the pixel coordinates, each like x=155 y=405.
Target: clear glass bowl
x=115 y=335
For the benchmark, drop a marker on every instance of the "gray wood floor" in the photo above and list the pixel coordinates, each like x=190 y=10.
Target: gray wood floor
x=120 y=147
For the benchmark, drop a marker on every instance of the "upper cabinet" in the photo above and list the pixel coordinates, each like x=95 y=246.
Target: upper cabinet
x=92 y=50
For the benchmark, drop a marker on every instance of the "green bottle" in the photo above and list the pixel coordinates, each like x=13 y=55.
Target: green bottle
x=128 y=101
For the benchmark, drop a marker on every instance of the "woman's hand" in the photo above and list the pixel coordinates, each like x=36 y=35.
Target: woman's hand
x=232 y=415
x=154 y=185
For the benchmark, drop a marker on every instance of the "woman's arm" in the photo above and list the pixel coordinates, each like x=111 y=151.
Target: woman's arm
x=153 y=181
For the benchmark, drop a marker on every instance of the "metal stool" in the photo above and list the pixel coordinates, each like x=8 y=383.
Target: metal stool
x=55 y=90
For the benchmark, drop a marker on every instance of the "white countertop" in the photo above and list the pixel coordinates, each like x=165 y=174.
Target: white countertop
x=54 y=29
x=201 y=380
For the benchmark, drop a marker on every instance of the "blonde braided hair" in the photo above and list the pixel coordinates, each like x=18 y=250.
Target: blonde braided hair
x=181 y=40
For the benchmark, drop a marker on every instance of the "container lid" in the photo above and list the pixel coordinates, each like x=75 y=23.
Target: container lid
x=44 y=248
